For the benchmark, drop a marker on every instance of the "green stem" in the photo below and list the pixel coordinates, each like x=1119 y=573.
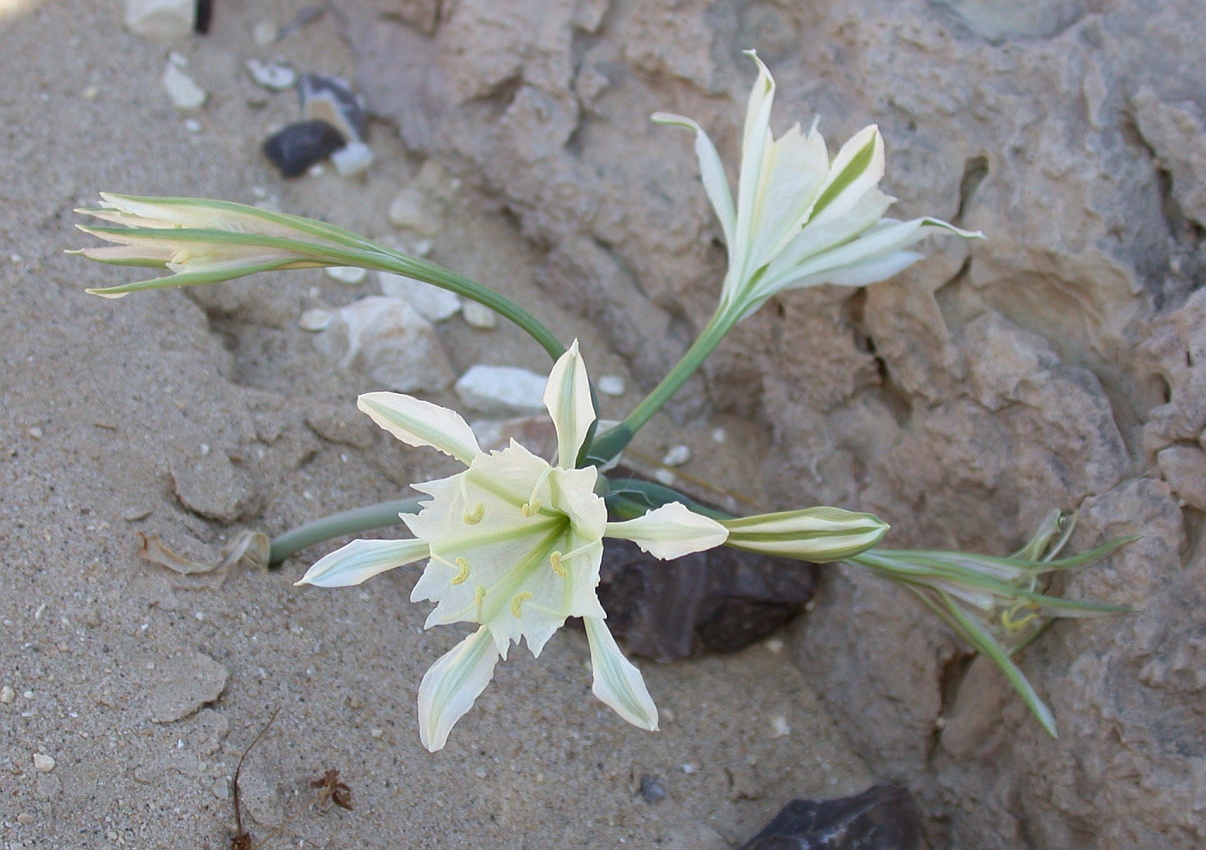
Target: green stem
x=337 y=525
x=610 y=443
x=427 y=272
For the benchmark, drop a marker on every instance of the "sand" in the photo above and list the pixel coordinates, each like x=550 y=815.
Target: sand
x=157 y=413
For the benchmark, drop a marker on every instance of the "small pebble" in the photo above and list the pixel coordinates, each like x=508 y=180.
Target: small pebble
x=502 y=391
x=192 y=125
x=690 y=768
x=351 y=275
x=25 y=819
x=664 y=477
x=775 y=645
x=376 y=733
x=610 y=385
x=409 y=210
x=432 y=303
x=352 y=159
x=182 y=89
x=43 y=763
x=7 y=695
x=719 y=435
x=293 y=149
x=651 y=789
x=481 y=773
x=35 y=432
x=264 y=34
x=161 y=20
x=317 y=319
x=331 y=99
x=677 y=455
x=479 y=315
x=274 y=76
x=780 y=728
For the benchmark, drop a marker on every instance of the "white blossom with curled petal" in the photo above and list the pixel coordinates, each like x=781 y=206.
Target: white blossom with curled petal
x=800 y=220
x=513 y=544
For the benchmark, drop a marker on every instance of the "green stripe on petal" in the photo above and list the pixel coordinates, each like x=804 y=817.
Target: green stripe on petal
x=618 y=683
x=819 y=534
x=567 y=397
x=421 y=423
x=451 y=686
x=363 y=559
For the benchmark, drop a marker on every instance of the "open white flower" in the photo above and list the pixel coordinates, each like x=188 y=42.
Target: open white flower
x=513 y=543
x=799 y=219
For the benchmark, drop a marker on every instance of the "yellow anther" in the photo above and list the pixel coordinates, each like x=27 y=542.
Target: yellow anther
x=479 y=600
x=474 y=516
x=462 y=572
x=517 y=600
x=1008 y=621
x=555 y=563
x=531 y=507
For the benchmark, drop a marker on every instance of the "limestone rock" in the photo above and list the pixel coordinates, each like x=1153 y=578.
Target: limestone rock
x=432 y=303
x=502 y=391
x=387 y=339
x=161 y=20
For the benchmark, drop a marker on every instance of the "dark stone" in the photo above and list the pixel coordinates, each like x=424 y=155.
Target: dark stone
x=328 y=98
x=296 y=147
x=203 y=17
x=883 y=817
x=721 y=600
x=651 y=789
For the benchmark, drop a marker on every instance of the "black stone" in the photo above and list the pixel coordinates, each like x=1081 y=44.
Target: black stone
x=205 y=14
x=296 y=147
x=883 y=817
x=651 y=789
x=721 y=600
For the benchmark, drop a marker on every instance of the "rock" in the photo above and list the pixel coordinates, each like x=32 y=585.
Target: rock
x=387 y=339
x=721 y=600
x=1184 y=469
x=331 y=99
x=352 y=159
x=651 y=789
x=344 y=425
x=410 y=209
x=296 y=147
x=677 y=455
x=43 y=763
x=883 y=817
x=612 y=385
x=161 y=20
x=316 y=319
x=347 y=275
x=183 y=91
x=183 y=685
x=210 y=486
x=478 y=315
x=274 y=76
x=502 y=391
x=432 y=302
x=535 y=433
x=264 y=34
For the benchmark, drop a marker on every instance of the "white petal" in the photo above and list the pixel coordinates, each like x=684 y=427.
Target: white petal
x=711 y=171
x=791 y=183
x=617 y=682
x=671 y=531
x=450 y=687
x=863 y=274
x=857 y=169
x=421 y=423
x=820 y=534
x=567 y=397
x=363 y=559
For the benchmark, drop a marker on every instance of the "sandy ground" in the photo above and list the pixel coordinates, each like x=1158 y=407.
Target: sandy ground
x=118 y=414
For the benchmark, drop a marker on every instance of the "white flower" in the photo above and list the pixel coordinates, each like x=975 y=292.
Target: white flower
x=819 y=535
x=800 y=220
x=514 y=544
x=204 y=241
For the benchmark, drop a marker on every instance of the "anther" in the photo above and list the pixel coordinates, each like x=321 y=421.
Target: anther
x=462 y=571
x=530 y=508
x=474 y=516
x=517 y=601
x=1008 y=621
x=479 y=600
x=557 y=565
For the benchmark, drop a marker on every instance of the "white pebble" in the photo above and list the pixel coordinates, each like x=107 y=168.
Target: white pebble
x=35 y=432
x=719 y=435
x=182 y=89
x=677 y=455
x=376 y=733
x=353 y=159
x=664 y=477
x=274 y=76
x=690 y=768
x=502 y=390
x=610 y=385
x=43 y=763
x=351 y=275
x=409 y=210
x=315 y=320
x=478 y=315
x=264 y=34
x=192 y=125
x=775 y=645
x=780 y=728
x=432 y=303
x=161 y=20
x=7 y=695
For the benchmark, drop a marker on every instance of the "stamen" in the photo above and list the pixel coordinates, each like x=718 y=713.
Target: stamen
x=533 y=504
x=517 y=601
x=462 y=571
x=555 y=563
x=532 y=507
x=479 y=600
x=1008 y=621
x=474 y=516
